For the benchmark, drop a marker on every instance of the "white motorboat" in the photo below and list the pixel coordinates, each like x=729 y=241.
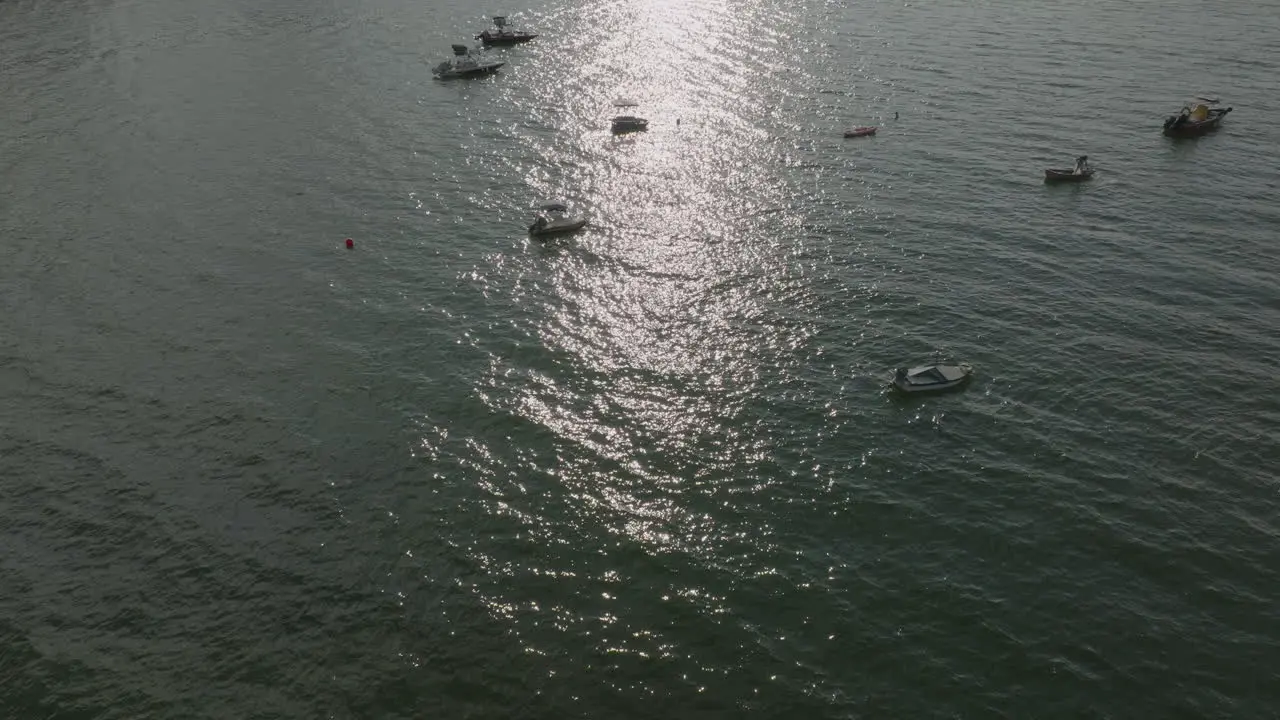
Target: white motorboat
x=931 y=378
x=554 y=219
x=465 y=63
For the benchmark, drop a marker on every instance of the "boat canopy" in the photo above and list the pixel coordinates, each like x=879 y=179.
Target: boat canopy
x=934 y=374
x=459 y=50
x=499 y=21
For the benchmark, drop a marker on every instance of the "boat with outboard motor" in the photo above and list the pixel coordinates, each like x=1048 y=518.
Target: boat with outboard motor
x=931 y=378
x=465 y=63
x=554 y=219
x=500 y=34
x=1195 y=118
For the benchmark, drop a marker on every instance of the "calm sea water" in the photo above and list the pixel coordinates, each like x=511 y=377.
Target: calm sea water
x=649 y=471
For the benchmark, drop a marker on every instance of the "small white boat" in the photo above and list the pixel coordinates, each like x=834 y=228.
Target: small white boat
x=554 y=219
x=463 y=64
x=931 y=378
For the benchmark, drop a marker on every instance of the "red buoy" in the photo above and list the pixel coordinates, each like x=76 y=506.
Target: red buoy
x=350 y=243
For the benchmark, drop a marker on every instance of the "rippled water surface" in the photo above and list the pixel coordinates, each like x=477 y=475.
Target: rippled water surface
x=649 y=470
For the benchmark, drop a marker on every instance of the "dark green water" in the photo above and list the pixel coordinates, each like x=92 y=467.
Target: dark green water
x=650 y=471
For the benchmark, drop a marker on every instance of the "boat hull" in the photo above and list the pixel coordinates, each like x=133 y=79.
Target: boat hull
x=1052 y=175
x=494 y=40
x=471 y=72
x=860 y=132
x=912 y=389
x=557 y=228
x=629 y=124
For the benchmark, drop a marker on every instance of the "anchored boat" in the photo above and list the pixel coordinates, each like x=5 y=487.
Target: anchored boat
x=628 y=123
x=1195 y=118
x=554 y=219
x=931 y=378
x=500 y=34
x=465 y=63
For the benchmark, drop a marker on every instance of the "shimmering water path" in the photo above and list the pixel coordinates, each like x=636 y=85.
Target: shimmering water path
x=649 y=471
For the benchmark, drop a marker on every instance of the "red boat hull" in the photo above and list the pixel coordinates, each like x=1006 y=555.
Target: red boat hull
x=860 y=132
